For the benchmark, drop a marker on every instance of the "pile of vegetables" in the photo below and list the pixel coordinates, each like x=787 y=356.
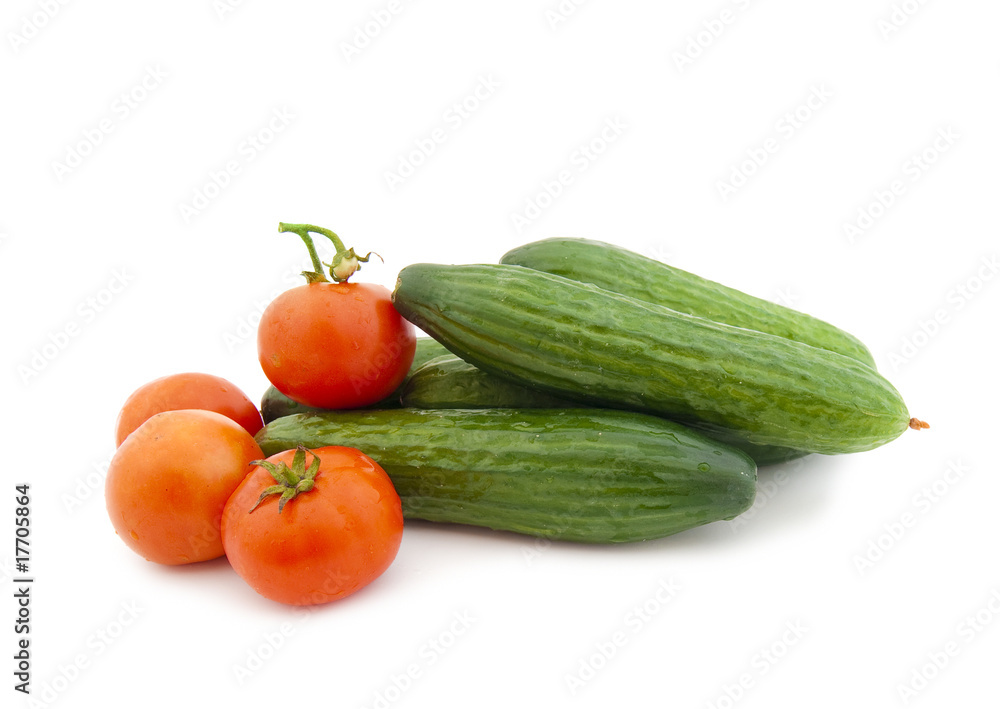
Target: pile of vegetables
x=575 y=390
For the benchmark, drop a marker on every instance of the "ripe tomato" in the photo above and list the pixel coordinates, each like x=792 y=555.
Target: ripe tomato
x=187 y=391
x=335 y=345
x=169 y=481
x=335 y=536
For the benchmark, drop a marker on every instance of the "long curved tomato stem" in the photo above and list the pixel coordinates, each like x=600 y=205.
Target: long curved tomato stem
x=345 y=262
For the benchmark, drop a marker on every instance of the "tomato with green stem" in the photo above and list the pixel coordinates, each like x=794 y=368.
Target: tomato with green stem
x=334 y=344
x=307 y=534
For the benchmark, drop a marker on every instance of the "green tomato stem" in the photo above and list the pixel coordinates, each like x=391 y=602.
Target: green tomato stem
x=345 y=262
x=290 y=481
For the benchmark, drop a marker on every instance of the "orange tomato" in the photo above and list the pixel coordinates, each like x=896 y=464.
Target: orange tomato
x=335 y=345
x=335 y=536
x=169 y=481
x=191 y=390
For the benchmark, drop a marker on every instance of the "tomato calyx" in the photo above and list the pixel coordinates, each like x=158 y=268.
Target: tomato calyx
x=290 y=481
x=346 y=262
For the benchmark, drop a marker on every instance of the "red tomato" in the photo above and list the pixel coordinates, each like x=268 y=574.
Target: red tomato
x=187 y=391
x=335 y=536
x=335 y=345
x=169 y=481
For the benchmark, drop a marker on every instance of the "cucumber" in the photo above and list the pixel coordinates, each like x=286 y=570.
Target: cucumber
x=586 y=475
x=622 y=271
x=449 y=382
x=762 y=453
x=577 y=340
x=427 y=349
x=274 y=404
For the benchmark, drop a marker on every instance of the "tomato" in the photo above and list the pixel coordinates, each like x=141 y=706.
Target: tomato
x=187 y=391
x=335 y=345
x=169 y=481
x=337 y=534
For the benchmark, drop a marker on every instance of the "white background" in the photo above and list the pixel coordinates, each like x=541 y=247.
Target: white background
x=808 y=599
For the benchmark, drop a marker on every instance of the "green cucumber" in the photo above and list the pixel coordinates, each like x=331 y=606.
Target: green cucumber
x=586 y=475
x=427 y=349
x=622 y=271
x=450 y=382
x=762 y=453
x=274 y=404
x=577 y=340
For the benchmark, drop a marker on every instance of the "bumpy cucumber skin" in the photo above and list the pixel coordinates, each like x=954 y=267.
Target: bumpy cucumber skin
x=575 y=339
x=585 y=475
x=622 y=271
x=274 y=404
x=450 y=382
